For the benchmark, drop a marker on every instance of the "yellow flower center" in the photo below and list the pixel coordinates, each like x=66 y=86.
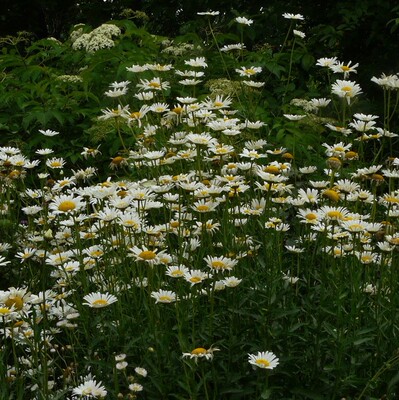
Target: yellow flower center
x=334 y=162
x=356 y=227
x=218 y=104
x=345 y=68
x=394 y=241
x=154 y=85
x=199 y=350
x=218 y=264
x=249 y=71
x=106 y=183
x=177 y=272
x=177 y=110
x=44 y=307
x=174 y=224
x=165 y=298
x=346 y=89
x=4 y=311
x=335 y=214
x=272 y=169
x=202 y=207
x=366 y=259
x=351 y=155
x=60 y=259
x=89 y=235
x=67 y=205
x=135 y=115
x=377 y=177
x=147 y=255
x=288 y=156
x=311 y=216
x=391 y=199
x=122 y=194
x=331 y=194
x=195 y=279
x=262 y=362
x=100 y=302
x=117 y=160
x=15 y=301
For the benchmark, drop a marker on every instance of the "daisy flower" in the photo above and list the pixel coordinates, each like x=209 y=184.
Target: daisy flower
x=204 y=139
x=196 y=62
x=3 y=261
x=90 y=388
x=137 y=68
x=220 y=263
x=209 y=13
x=248 y=72
x=55 y=163
x=254 y=84
x=144 y=96
x=201 y=352
x=26 y=254
x=333 y=213
x=244 y=21
x=176 y=271
x=135 y=387
x=217 y=103
x=116 y=92
x=164 y=296
x=65 y=204
x=90 y=151
x=44 y=152
x=346 y=89
x=326 y=62
x=253 y=124
x=159 y=67
x=141 y=371
x=99 y=300
x=264 y=359
x=190 y=82
x=232 y=281
x=346 y=69
x=119 y=85
x=300 y=34
x=204 y=206
x=120 y=111
x=229 y=47
x=293 y=16
x=294 y=117
x=153 y=84
x=144 y=254
x=48 y=132
x=195 y=276
x=387 y=81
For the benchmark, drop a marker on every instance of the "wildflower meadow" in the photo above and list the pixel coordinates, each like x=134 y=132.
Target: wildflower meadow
x=196 y=217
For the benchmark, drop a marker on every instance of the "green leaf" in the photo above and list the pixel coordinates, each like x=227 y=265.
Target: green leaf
x=307 y=61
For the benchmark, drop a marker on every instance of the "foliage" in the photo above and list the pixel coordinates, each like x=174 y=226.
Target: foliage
x=48 y=84
x=179 y=205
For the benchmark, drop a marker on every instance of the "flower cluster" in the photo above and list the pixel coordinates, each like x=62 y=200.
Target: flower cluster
x=98 y=38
